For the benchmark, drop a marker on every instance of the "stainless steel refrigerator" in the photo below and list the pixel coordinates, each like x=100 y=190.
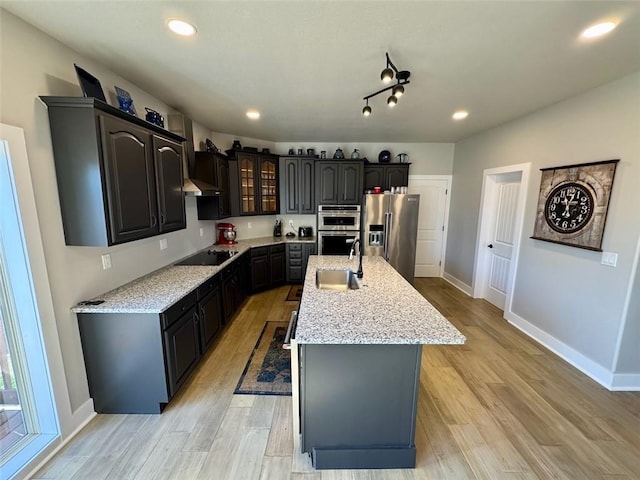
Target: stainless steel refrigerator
x=390 y=229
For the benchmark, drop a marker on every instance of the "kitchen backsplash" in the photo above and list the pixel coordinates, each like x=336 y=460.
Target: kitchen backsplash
x=262 y=226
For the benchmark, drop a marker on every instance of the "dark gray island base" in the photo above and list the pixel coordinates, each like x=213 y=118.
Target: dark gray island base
x=358 y=405
x=355 y=366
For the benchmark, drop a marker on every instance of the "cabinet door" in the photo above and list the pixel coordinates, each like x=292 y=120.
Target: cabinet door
x=222 y=181
x=351 y=183
x=308 y=249
x=130 y=180
x=181 y=349
x=327 y=183
x=247 y=178
x=210 y=318
x=289 y=184
x=277 y=266
x=260 y=278
x=396 y=176
x=306 y=186
x=168 y=167
x=268 y=185
x=374 y=177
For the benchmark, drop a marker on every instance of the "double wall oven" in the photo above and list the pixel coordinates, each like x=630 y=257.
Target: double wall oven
x=338 y=228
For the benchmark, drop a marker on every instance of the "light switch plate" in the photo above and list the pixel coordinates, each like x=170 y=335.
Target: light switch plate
x=106 y=261
x=609 y=259
x=249 y=225
x=202 y=232
x=163 y=244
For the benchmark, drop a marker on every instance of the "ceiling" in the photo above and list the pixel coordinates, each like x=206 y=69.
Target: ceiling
x=305 y=65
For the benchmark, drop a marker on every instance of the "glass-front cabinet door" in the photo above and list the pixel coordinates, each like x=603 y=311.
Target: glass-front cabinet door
x=268 y=186
x=247 y=165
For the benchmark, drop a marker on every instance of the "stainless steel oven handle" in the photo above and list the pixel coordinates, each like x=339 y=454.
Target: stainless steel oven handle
x=291 y=330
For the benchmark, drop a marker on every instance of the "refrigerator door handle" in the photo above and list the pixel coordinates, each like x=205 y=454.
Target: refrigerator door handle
x=387 y=233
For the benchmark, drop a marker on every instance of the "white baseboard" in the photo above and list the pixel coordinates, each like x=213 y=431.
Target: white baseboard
x=80 y=418
x=587 y=366
x=625 y=382
x=459 y=284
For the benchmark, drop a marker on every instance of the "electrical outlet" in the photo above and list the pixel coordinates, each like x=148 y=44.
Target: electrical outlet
x=202 y=232
x=609 y=259
x=249 y=225
x=163 y=244
x=291 y=223
x=106 y=261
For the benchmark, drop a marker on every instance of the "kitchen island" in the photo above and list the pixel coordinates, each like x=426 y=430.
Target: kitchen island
x=356 y=366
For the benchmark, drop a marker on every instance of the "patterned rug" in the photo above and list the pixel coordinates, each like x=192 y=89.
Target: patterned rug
x=295 y=294
x=268 y=371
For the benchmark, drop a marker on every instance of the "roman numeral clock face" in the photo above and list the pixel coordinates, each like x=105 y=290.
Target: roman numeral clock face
x=569 y=207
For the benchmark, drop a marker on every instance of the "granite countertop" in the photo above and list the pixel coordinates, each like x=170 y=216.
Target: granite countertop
x=158 y=290
x=386 y=309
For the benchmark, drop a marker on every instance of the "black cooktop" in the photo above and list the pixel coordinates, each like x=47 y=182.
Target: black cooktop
x=210 y=257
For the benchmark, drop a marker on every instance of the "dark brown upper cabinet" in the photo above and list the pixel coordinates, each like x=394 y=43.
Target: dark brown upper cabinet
x=253 y=183
x=213 y=168
x=338 y=182
x=297 y=187
x=119 y=177
x=386 y=176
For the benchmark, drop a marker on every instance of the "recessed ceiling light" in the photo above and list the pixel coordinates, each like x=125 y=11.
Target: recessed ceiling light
x=598 y=30
x=460 y=115
x=253 y=114
x=181 y=27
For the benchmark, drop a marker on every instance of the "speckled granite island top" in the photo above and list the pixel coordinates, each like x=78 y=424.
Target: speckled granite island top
x=386 y=309
x=157 y=291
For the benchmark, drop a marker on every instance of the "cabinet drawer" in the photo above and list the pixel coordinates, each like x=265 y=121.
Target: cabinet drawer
x=175 y=311
x=207 y=287
x=295 y=262
x=295 y=254
x=276 y=248
x=259 y=251
x=295 y=247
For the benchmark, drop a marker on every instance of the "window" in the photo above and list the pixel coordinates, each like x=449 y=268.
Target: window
x=26 y=398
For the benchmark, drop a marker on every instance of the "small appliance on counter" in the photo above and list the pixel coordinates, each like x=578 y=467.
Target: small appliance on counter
x=277 y=229
x=305 y=232
x=226 y=234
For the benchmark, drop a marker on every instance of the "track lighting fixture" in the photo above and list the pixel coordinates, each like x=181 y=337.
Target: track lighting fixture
x=366 y=111
x=397 y=89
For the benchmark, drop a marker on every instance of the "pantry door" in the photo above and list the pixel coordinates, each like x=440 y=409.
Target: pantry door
x=432 y=222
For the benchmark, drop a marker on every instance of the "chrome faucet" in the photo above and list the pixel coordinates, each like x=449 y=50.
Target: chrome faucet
x=353 y=251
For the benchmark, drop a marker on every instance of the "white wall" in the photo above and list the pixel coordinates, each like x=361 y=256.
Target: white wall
x=563 y=291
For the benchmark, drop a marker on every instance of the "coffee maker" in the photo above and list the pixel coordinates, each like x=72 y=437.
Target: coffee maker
x=226 y=234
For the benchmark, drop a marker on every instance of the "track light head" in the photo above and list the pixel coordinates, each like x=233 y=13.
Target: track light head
x=387 y=75
x=392 y=100
x=366 y=111
x=397 y=91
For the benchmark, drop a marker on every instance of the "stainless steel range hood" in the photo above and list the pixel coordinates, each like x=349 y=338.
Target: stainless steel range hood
x=191 y=187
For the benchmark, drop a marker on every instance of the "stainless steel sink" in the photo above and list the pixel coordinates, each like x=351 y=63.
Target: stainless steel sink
x=342 y=279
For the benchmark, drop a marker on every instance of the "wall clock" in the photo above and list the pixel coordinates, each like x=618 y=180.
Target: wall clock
x=573 y=203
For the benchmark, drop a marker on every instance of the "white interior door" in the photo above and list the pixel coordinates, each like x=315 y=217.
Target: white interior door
x=502 y=239
x=430 y=242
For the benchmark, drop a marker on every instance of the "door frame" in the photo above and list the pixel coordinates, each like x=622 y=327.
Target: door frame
x=445 y=220
x=486 y=219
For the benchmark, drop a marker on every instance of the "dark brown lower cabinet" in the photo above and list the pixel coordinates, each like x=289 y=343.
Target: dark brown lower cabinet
x=209 y=312
x=182 y=349
x=268 y=267
x=297 y=259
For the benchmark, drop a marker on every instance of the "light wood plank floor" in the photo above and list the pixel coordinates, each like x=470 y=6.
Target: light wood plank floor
x=499 y=407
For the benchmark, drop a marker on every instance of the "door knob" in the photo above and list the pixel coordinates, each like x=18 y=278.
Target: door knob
x=490 y=245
